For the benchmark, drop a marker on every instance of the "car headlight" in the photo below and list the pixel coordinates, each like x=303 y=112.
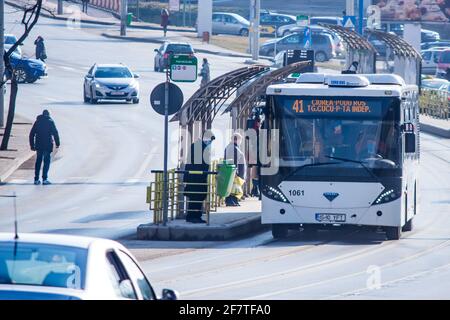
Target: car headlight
x=134 y=85
x=98 y=85
x=36 y=65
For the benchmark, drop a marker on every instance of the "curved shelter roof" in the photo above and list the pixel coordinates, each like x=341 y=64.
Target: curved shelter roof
x=399 y=46
x=352 y=39
x=207 y=101
x=252 y=94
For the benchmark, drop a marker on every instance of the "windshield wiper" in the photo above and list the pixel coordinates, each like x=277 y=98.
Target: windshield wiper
x=354 y=161
x=309 y=165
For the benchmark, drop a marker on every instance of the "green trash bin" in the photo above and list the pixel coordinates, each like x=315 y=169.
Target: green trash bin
x=129 y=18
x=225 y=178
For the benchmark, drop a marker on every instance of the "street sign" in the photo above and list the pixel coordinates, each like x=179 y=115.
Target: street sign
x=183 y=68
x=349 y=22
x=157 y=98
x=302 y=21
x=307 y=38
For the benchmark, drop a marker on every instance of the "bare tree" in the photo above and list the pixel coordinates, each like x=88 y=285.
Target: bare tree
x=29 y=20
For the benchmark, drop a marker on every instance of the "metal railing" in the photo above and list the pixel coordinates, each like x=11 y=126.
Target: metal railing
x=177 y=201
x=435 y=103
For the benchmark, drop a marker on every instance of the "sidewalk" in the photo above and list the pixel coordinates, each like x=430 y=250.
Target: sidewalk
x=18 y=150
x=438 y=127
x=225 y=224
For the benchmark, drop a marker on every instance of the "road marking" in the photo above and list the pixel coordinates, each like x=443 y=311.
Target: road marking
x=19 y=181
x=102 y=199
x=72 y=209
x=68 y=68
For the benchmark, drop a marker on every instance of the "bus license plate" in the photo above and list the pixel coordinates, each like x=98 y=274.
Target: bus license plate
x=330 y=217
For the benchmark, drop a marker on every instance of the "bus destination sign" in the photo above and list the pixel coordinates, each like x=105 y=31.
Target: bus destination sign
x=335 y=107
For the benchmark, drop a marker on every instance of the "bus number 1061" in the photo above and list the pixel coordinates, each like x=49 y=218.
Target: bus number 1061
x=296 y=193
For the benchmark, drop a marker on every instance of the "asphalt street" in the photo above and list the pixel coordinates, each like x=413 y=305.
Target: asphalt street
x=102 y=168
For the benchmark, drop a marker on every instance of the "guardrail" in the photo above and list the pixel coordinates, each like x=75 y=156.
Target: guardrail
x=435 y=103
x=177 y=202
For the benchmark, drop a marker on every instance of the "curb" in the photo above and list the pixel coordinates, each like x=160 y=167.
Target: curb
x=217 y=53
x=205 y=233
x=47 y=15
x=16 y=164
x=437 y=131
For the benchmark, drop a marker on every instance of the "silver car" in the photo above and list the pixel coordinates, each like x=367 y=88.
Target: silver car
x=110 y=82
x=229 y=23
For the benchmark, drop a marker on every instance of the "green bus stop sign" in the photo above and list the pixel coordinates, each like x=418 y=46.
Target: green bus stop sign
x=183 y=68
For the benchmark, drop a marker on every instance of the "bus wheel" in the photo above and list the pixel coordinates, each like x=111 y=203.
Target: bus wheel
x=408 y=226
x=280 y=231
x=393 y=233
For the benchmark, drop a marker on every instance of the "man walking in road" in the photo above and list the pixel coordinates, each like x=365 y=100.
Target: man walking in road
x=85 y=4
x=41 y=140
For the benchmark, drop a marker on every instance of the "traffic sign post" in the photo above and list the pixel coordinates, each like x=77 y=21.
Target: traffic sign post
x=171 y=96
x=349 y=22
x=183 y=68
x=302 y=21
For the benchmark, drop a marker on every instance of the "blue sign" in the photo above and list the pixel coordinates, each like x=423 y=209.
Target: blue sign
x=307 y=38
x=349 y=22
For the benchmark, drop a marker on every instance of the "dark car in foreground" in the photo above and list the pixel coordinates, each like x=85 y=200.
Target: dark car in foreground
x=162 y=54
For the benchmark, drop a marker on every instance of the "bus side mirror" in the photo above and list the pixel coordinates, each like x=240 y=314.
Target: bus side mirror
x=410 y=142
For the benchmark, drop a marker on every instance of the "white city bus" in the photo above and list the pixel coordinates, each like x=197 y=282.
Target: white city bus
x=348 y=153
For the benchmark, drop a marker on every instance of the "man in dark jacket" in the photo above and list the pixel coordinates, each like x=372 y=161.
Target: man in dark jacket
x=196 y=184
x=41 y=141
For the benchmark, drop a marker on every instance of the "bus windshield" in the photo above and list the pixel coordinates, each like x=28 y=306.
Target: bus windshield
x=351 y=132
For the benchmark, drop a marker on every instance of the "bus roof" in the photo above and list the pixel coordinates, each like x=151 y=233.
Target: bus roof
x=362 y=85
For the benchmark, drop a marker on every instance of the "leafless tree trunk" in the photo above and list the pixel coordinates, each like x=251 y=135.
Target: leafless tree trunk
x=29 y=20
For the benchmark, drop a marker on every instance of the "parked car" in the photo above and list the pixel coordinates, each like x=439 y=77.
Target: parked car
x=337 y=40
x=313 y=22
x=327 y=20
x=27 y=70
x=162 y=54
x=443 y=64
x=429 y=45
x=276 y=20
x=229 y=23
x=322 y=44
x=61 y=267
x=429 y=36
x=430 y=59
x=110 y=82
x=9 y=40
x=434 y=84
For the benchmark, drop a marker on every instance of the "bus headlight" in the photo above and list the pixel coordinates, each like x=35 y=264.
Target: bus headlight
x=387 y=195
x=274 y=193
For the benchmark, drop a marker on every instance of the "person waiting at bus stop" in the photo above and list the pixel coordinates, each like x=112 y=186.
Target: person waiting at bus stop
x=196 y=187
x=234 y=153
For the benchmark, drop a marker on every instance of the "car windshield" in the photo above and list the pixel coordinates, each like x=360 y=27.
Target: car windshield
x=42 y=265
x=179 y=48
x=432 y=84
x=10 y=39
x=445 y=57
x=313 y=130
x=113 y=72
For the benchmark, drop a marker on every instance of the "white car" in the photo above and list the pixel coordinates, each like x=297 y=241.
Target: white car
x=430 y=59
x=61 y=267
x=110 y=82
